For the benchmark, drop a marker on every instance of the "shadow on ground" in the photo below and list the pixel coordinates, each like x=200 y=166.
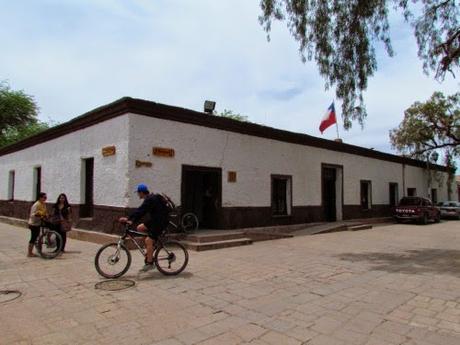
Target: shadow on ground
x=436 y=261
x=157 y=276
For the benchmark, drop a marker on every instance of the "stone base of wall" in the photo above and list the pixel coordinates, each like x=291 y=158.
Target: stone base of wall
x=357 y=212
x=248 y=217
x=104 y=218
x=15 y=208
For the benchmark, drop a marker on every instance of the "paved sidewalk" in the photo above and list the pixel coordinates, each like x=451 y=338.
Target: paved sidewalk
x=397 y=284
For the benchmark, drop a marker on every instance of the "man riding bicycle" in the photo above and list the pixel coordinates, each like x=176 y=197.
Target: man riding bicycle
x=157 y=211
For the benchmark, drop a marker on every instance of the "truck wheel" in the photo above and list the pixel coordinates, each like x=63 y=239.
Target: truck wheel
x=424 y=219
x=437 y=219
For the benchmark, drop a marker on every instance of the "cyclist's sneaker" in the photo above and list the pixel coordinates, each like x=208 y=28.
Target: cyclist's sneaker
x=147 y=267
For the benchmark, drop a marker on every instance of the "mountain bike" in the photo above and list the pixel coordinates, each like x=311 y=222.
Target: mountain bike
x=186 y=223
x=49 y=242
x=114 y=259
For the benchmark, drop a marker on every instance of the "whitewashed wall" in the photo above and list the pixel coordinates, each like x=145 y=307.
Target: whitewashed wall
x=418 y=180
x=61 y=165
x=254 y=159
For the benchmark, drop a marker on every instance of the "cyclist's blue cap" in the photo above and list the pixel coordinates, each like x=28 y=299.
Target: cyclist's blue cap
x=142 y=188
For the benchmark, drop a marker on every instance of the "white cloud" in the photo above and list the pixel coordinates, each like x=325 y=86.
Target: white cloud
x=76 y=55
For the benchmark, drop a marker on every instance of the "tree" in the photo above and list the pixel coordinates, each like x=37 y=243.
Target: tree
x=18 y=116
x=15 y=134
x=231 y=115
x=340 y=37
x=429 y=128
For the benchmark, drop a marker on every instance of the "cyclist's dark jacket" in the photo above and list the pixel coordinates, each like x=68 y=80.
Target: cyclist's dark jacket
x=157 y=211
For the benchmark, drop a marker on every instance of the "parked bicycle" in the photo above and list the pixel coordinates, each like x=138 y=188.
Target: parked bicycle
x=186 y=223
x=49 y=242
x=114 y=259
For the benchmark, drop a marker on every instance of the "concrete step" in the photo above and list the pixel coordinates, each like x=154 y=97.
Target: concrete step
x=329 y=228
x=360 y=227
x=257 y=236
x=201 y=246
x=216 y=236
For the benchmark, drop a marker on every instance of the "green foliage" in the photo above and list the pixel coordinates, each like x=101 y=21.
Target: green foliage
x=18 y=116
x=16 y=108
x=231 y=115
x=340 y=37
x=14 y=134
x=431 y=128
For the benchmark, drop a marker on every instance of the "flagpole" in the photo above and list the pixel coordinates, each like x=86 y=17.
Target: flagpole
x=336 y=122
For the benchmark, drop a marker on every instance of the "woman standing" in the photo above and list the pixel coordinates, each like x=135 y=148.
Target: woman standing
x=38 y=212
x=62 y=217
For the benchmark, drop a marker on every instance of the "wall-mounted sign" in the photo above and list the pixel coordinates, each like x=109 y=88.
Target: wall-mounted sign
x=143 y=164
x=163 y=152
x=231 y=177
x=108 y=151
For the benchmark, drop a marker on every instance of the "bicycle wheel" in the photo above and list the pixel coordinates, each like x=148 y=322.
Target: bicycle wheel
x=49 y=244
x=112 y=261
x=189 y=222
x=171 y=258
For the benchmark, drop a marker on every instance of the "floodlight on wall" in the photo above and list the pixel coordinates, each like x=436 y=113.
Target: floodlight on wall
x=209 y=106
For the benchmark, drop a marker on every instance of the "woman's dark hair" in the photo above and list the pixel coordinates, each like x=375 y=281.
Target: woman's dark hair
x=41 y=195
x=65 y=210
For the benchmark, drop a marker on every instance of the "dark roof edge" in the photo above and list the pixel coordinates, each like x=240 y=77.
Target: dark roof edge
x=100 y=114
x=172 y=113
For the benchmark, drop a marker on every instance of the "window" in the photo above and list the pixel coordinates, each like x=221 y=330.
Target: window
x=434 y=196
x=281 y=195
x=411 y=192
x=366 y=195
x=394 y=194
x=37 y=182
x=11 y=185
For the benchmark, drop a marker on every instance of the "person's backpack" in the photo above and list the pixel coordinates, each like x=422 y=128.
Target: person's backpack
x=167 y=202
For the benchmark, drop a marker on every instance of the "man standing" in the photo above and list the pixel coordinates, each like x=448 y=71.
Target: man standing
x=157 y=211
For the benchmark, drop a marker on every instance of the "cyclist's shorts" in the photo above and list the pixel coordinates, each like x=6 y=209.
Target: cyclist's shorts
x=154 y=231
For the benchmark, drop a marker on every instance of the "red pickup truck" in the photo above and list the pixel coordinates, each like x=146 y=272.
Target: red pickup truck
x=414 y=208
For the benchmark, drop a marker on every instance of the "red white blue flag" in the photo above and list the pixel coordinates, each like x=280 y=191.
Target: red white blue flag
x=329 y=118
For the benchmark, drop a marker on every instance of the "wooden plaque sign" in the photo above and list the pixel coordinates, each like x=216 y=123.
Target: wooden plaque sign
x=163 y=152
x=231 y=176
x=108 y=151
x=143 y=164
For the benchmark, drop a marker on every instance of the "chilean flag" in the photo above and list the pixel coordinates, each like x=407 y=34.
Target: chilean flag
x=329 y=118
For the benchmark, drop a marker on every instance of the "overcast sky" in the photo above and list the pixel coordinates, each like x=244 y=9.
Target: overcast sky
x=76 y=55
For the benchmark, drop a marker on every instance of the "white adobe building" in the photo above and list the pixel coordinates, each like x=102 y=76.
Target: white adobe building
x=232 y=174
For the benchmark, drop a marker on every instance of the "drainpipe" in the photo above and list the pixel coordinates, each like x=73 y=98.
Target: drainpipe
x=404 y=178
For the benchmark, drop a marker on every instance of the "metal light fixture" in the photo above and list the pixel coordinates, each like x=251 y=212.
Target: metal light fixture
x=209 y=106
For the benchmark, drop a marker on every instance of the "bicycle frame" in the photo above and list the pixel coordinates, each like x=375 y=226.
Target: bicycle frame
x=175 y=215
x=130 y=234
x=164 y=254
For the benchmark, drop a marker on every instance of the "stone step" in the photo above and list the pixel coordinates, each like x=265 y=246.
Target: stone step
x=257 y=236
x=360 y=227
x=328 y=229
x=201 y=246
x=216 y=236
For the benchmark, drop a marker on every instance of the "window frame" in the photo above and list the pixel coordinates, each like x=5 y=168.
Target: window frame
x=434 y=195
x=369 y=194
x=396 y=186
x=37 y=181
x=411 y=189
x=11 y=184
x=288 y=195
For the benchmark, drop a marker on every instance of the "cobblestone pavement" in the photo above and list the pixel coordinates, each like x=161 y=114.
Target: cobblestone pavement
x=396 y=284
